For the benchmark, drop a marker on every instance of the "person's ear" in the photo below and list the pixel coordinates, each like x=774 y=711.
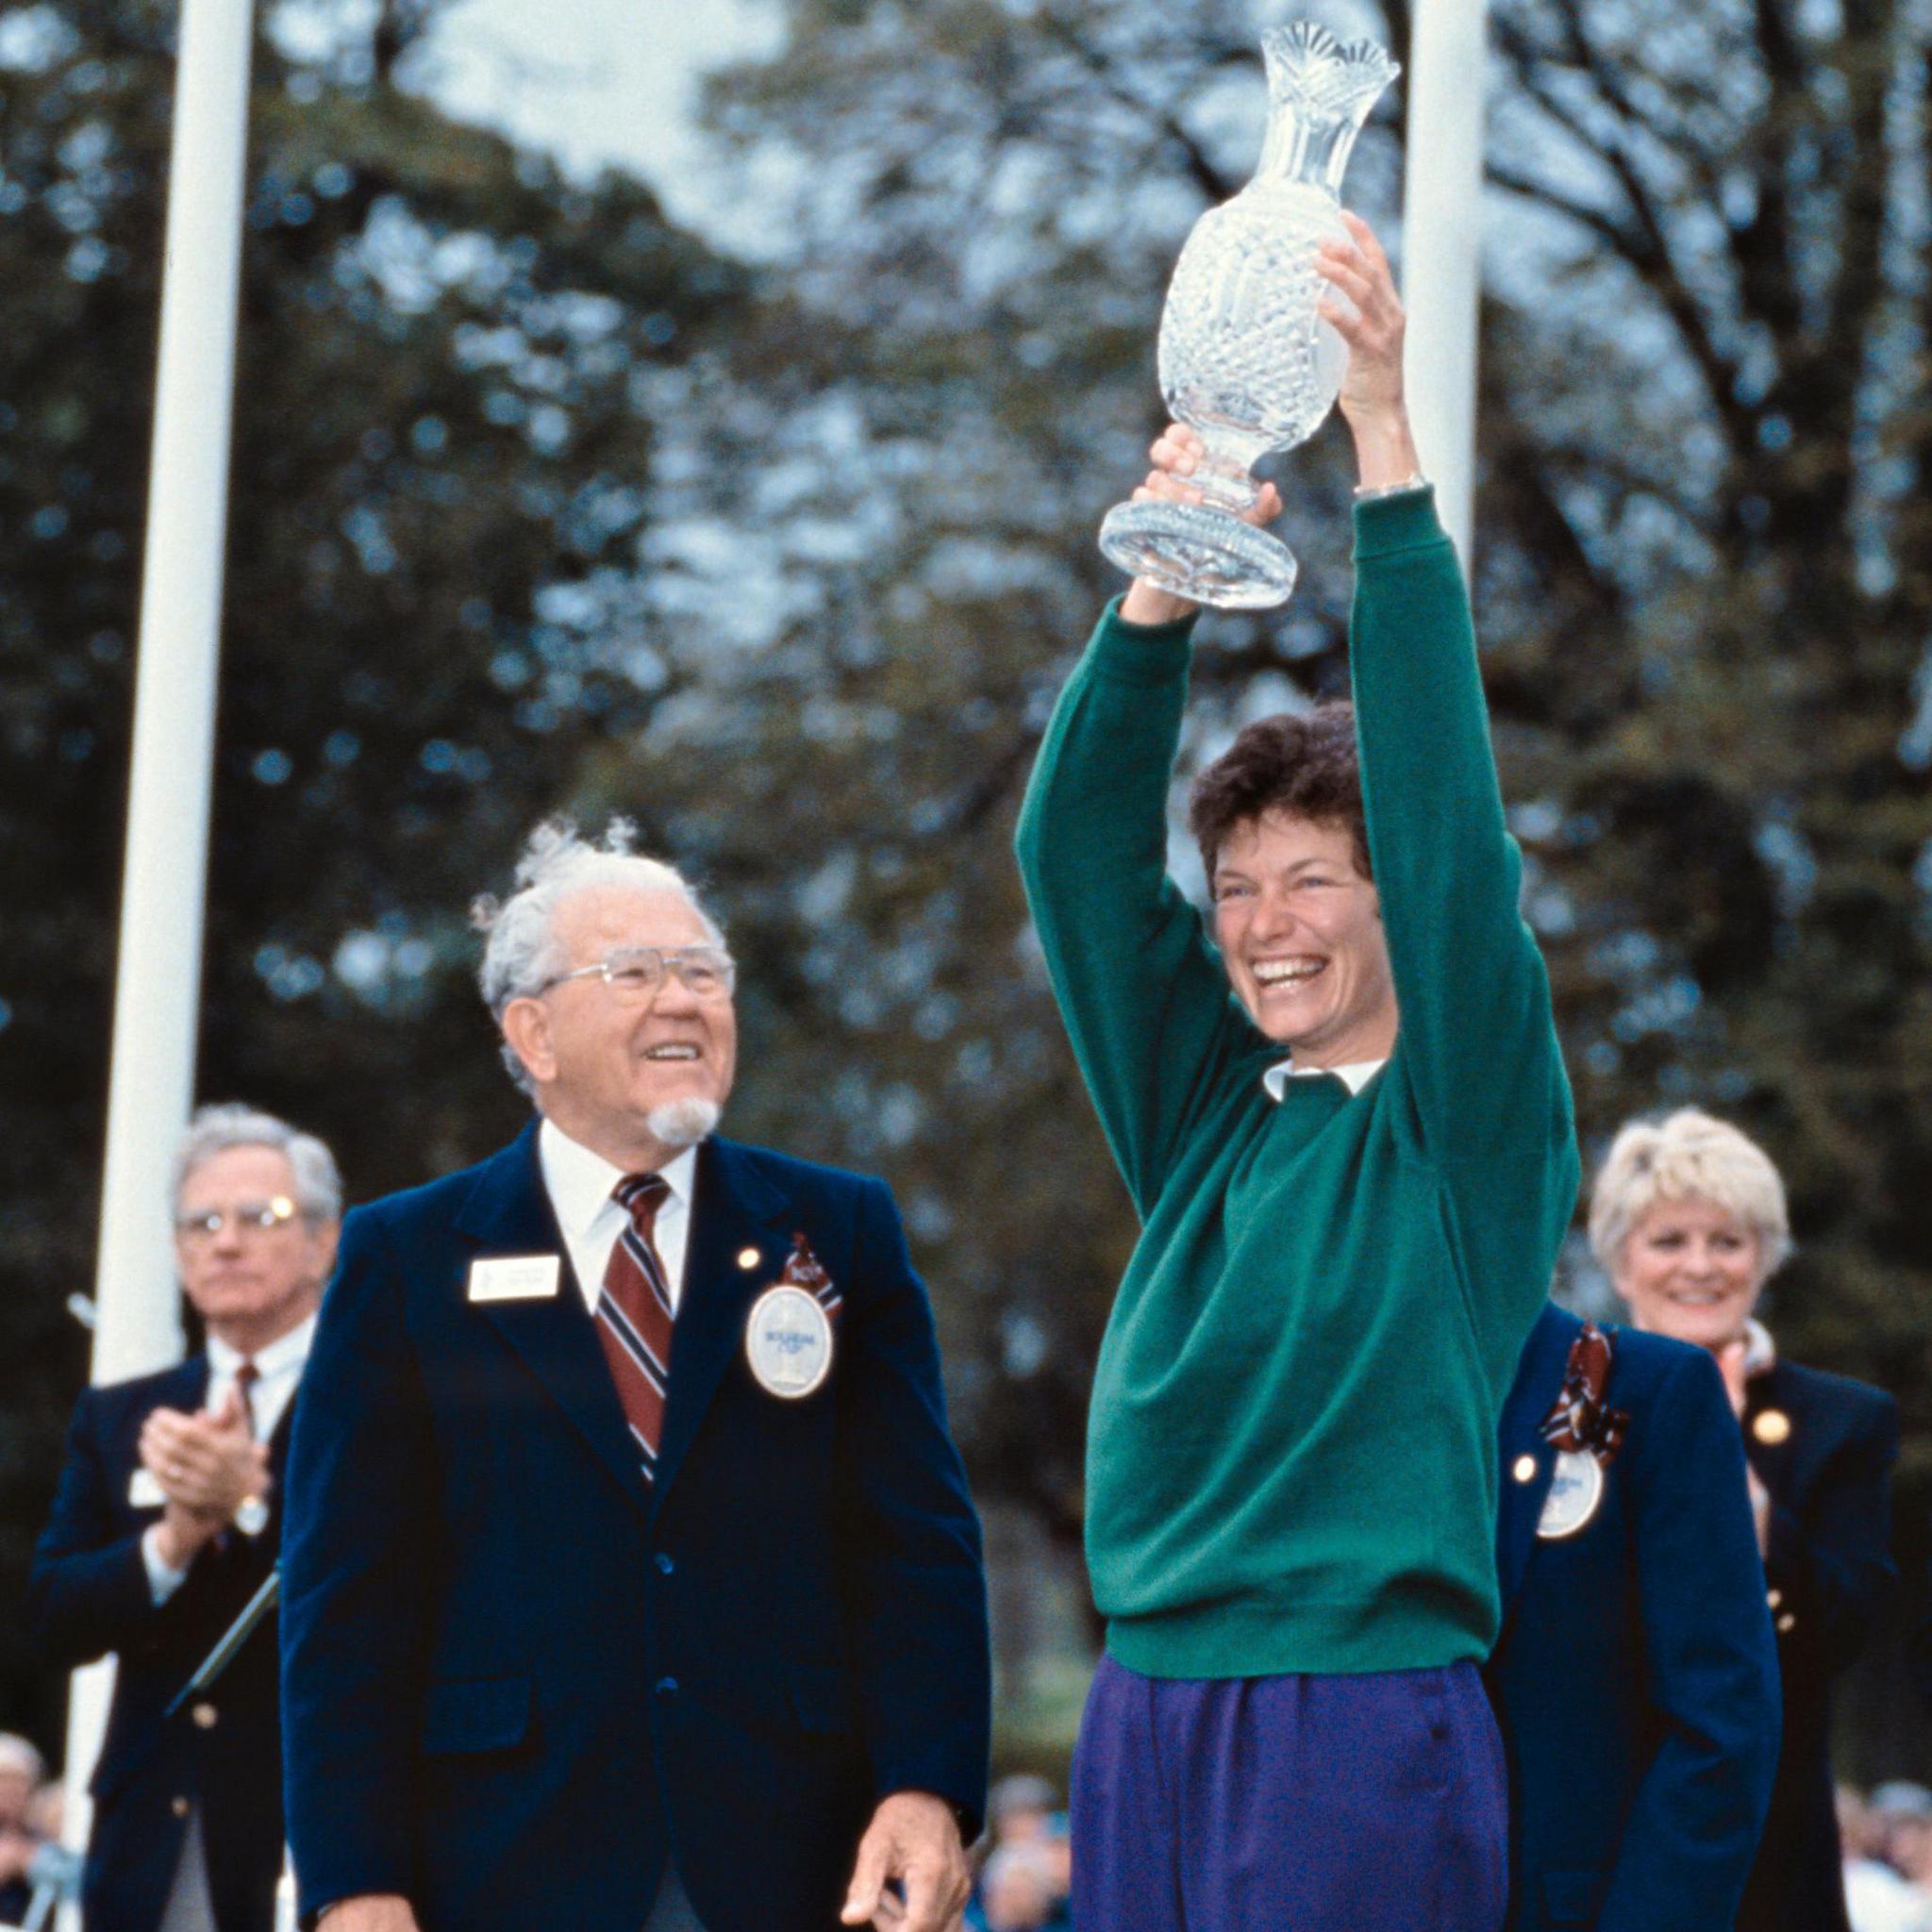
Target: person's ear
x=526 y=1027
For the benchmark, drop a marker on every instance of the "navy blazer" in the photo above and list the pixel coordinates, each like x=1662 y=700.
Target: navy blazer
x=1824 y=1447
x=1636 y=1676
x=516 y=1678
x=88 y=1594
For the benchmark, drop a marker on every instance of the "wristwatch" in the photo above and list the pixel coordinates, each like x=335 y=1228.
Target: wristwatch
x=1368 y=493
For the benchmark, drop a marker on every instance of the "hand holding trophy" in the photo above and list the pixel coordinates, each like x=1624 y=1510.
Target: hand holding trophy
x=1246 y=359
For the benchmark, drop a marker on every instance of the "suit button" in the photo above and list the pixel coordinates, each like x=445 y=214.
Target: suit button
x=179 y=1808
x=1787 y=1622
x=667 y=1686
x=1774 y=1597
x=665 y=1565
x=206 y=1715
x=1524 y=1468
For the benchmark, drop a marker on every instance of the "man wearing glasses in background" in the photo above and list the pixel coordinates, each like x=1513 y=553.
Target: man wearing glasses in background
x=631 y=1579
x=167 y=1521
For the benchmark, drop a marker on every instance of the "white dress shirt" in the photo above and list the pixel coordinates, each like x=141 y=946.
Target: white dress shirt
x=1355 y=1076
x=580 y=1185
x=278 y=1368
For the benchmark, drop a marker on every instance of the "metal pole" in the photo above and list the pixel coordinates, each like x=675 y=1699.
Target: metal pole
x=1442 y=247
x=158 y=985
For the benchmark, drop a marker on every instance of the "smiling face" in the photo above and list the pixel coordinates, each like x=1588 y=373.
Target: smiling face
x=604 y=1067
x=250 y=1284
x=1300 y=931
x=1691 y=1269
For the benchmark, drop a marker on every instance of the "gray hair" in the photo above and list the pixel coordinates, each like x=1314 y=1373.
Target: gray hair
x=19 y=1753
x=1688 y=1154
x=521 y=953
x=215 y=1129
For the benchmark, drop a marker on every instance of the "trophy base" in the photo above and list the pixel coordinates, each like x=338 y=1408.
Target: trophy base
x=1203 y=555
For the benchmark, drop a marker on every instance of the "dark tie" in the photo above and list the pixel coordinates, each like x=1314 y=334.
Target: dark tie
x=634 y=1316
x=246 y=1376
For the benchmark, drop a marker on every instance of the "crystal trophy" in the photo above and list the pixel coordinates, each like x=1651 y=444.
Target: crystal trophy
x=1244 y=358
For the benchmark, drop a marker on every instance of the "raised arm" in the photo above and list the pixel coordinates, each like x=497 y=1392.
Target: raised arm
x=1140 y=988
x=1477 y=1030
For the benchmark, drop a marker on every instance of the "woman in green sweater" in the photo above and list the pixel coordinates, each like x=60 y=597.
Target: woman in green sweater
x=1345 y=1127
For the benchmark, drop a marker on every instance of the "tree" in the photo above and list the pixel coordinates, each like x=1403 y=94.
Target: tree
x=453 y=365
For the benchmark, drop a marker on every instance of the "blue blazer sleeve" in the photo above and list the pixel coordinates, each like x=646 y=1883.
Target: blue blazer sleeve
x=1711 y=1661
x=356 y=1524
x=89 y=1591
x=1831 y=1564
x=915 y=1587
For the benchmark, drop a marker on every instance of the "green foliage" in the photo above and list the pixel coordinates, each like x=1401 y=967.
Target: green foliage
x=452 y=367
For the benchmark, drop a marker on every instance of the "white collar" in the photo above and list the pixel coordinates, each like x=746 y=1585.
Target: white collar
x=1760 y=1351
x=581 y=1182
x=1355 y=1076
x=284 y=1352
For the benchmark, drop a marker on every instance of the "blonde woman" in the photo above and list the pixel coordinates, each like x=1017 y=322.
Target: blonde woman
x=1687 y=1216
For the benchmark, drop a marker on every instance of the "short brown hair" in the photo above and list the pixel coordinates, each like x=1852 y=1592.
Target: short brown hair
x=1305 y=766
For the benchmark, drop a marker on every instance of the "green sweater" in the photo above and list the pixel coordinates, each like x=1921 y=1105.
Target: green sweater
x=1292 y=1451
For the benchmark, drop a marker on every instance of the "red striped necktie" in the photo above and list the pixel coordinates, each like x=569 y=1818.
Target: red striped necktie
x=634 y=1316
x=246 y=1376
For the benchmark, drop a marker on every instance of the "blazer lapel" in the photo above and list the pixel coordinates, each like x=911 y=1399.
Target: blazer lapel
x=736 y=1213
x=1538 y=1381
x=510 y=1213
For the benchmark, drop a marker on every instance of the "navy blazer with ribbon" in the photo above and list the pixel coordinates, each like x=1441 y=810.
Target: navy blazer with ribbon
x=1824 y=1447
x=516 y=1676
x=88 y=1594
x=1636 y=1676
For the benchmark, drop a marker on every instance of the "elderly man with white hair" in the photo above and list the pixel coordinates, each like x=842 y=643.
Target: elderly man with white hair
x=168 y=1519
x=632 y=1579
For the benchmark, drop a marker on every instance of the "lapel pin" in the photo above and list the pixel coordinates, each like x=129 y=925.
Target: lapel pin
x=1772 y=1426
x=1524 y=1468
x=747 y=1258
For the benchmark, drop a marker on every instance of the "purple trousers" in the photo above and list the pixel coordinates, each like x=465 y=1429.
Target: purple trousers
x=1297 y=1803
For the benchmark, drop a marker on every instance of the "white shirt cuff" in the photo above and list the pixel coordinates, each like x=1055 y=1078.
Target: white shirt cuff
x=162 y=1579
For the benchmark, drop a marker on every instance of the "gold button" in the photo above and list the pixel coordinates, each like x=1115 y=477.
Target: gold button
x=1774 y=1597
x=1772 y=1426
x=206 y=1715
x=1524 y=1468
x=1787 y=1622
x=747 y=1258
x=179 y=1808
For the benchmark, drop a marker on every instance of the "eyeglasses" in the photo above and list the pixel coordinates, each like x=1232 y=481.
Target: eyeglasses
x=636 y=973
x=252 y=1217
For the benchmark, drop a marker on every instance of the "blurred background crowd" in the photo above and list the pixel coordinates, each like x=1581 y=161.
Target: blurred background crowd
x=764 y=514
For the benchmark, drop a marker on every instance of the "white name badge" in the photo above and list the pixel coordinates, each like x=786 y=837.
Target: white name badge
x=516 y=1278
x=1575 y=1490
x=788 y=1341
x=145 y=1490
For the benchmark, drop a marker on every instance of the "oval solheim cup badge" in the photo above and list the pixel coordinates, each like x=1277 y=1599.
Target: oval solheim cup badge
x=788 y=1341
x=1575 y=1490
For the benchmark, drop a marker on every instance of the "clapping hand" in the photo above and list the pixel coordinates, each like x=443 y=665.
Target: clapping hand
x=207 y=1465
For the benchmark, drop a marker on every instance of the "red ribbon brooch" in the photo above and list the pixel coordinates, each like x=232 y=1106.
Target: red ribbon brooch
x=803 y=1268
x=1578 y=1420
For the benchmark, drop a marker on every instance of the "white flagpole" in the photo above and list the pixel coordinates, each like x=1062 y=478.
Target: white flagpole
x=1442 y=247
x=157 y=980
